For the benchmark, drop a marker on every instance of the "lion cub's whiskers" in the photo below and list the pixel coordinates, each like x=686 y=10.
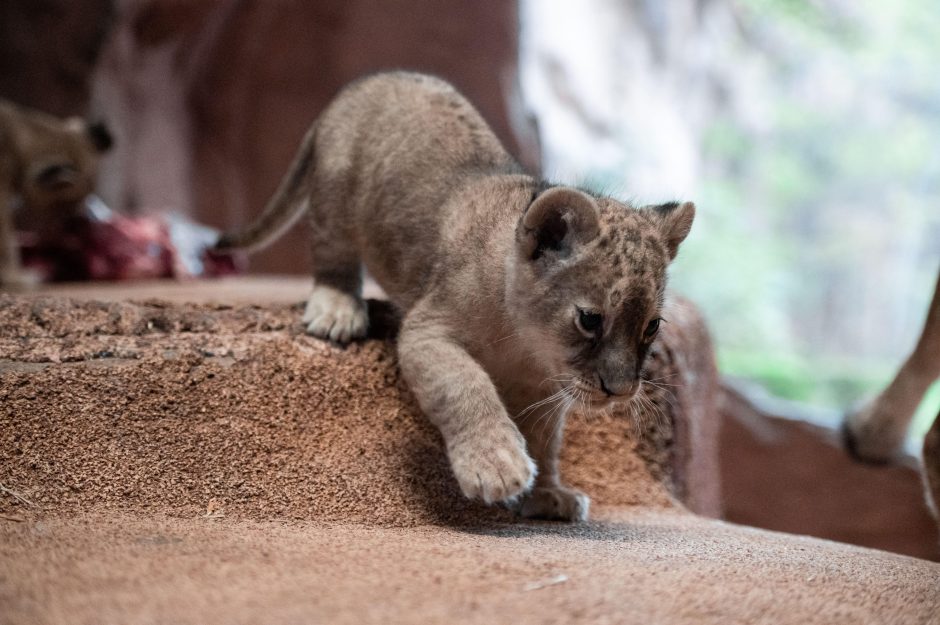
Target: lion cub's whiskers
x=557 y=394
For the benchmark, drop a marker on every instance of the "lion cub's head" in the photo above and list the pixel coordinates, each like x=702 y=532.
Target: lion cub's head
x=587 y=283
x=63 y=162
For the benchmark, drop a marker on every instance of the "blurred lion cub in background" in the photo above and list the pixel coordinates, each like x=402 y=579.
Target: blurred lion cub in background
x=521 y=300
x=49 y=165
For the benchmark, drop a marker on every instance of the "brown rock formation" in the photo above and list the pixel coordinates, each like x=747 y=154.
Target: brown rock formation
x=788 y=475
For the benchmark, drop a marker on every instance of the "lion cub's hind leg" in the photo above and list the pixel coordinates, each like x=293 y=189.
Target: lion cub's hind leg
x=335 y=309
x=335 y=314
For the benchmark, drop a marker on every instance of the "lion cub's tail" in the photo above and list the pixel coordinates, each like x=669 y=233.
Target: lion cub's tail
x=282 y=211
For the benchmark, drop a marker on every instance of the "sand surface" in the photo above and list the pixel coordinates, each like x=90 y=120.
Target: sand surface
x=635 y=567
x=208 y=463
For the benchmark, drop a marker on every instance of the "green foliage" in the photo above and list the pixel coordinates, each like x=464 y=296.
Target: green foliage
x=835 y=384
x=829 y=208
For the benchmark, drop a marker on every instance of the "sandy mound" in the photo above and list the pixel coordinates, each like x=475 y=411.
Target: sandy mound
x=211 y=464
x=161 y=408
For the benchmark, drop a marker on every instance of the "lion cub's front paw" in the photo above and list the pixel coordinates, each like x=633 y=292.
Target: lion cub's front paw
x=556 y=504
x=335 y=315
x=492 y=465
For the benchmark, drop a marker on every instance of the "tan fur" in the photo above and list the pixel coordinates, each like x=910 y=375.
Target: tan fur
x=876 y=432
x=931 y=461
x=49 y=164
x=489 y=267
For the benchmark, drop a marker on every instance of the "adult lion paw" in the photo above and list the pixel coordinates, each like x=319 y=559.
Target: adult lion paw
x=556 y=503
x=874 y=433
x=492 y=465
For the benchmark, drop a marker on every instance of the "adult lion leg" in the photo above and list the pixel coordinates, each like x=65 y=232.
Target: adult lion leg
x=876 y=432
x=932 y=467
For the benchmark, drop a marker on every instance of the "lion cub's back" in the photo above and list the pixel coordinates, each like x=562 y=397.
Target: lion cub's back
x=396 y=149
x=403 y=123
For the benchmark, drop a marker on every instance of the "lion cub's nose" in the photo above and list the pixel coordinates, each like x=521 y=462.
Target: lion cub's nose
x=624 y=387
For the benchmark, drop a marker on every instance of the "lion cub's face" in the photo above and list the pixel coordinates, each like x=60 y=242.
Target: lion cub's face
x=587 y=284
x=63 y=162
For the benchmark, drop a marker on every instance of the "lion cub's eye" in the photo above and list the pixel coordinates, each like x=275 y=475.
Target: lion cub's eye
x=589 y=322
x=651 y=329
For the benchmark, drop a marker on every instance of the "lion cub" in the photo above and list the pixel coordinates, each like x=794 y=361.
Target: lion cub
x=48 y=164
x=520 y=300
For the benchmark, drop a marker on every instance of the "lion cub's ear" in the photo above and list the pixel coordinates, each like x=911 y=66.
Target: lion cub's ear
x=556 y=222
x=100 y=136
x=97 y=133
x=675 y=222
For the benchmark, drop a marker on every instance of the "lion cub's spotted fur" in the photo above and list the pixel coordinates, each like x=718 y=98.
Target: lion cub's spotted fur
x=521 y=300
x=48 y=164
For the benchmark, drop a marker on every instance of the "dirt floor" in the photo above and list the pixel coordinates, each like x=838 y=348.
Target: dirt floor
x=173 y=463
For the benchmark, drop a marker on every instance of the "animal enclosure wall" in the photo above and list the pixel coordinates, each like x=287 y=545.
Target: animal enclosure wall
x=209 y=100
